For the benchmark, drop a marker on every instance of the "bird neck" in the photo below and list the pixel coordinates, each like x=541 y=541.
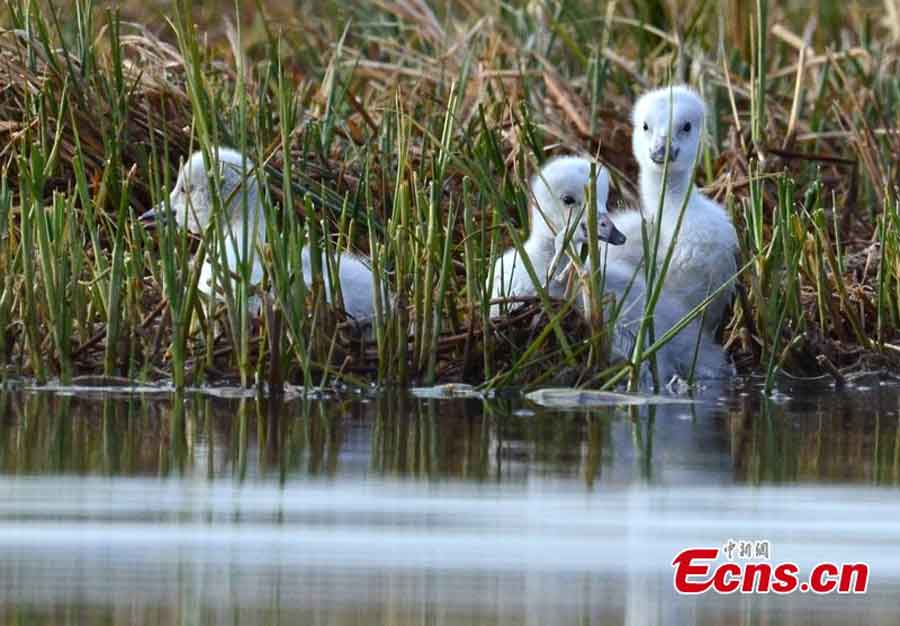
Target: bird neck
x=252 y=230
x=242 y=236
x=677 y=186
x=541 y=239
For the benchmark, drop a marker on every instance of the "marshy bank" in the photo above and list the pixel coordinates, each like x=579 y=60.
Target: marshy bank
x=408 y=134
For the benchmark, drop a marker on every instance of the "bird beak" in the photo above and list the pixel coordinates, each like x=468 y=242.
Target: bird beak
x=608 y=232
x=152 y=217
x=658 y=155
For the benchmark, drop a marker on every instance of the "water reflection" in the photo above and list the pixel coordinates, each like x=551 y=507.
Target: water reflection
x=851 y=437
x=396 y=510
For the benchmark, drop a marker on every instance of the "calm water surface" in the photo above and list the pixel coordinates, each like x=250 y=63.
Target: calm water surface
x=397 y=510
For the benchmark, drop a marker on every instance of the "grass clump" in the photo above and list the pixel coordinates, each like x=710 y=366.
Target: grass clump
x=406 y=133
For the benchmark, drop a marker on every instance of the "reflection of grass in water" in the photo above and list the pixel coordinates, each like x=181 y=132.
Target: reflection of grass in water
x=409 y=135
x=839 y=438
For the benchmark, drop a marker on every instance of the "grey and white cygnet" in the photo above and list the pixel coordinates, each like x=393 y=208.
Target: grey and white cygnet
x=557 y=190
x=703 y=253
x=557 y=211
x=677 y=356
x=244 y=228
x=191 y=206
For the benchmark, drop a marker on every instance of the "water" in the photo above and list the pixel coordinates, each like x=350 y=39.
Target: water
x=397 y=510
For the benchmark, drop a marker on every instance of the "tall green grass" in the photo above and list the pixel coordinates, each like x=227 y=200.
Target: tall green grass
x=409 y=139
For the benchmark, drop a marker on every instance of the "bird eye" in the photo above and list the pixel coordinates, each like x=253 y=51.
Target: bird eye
x=567 y=199
x=687 y=127
x=646 y=127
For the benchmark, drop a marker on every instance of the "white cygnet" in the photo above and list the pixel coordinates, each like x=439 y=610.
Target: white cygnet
x=558 y=200
x=677 y=356
x=191 y=203
x=558 y=190
x=703 y=256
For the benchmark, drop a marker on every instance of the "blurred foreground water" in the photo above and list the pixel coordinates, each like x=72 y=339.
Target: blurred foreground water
x=389 y=509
